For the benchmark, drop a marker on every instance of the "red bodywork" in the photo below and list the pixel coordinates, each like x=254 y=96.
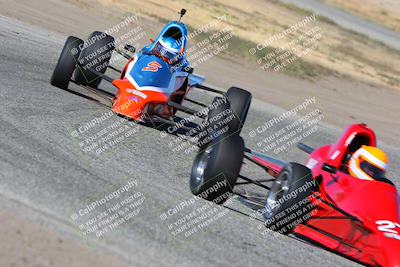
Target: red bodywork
x=358 y=219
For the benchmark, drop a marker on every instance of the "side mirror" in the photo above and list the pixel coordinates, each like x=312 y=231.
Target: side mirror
x=329 y=168
x=188 y=69
x=130 y=48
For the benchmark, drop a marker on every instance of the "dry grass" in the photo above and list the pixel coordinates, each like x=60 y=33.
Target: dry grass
x=341 y=52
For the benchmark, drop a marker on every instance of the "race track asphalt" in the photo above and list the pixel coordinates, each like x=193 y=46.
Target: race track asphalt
x=351 y=22
x=44 y=169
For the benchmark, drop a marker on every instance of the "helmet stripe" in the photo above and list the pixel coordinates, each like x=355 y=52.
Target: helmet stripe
x=371 y=158
x=357 y=172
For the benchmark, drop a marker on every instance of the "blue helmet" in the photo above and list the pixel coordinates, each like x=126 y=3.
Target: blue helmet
x=168 y=48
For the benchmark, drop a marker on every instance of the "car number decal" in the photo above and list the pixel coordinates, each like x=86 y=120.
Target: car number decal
x=152 y=66
x=389 y=228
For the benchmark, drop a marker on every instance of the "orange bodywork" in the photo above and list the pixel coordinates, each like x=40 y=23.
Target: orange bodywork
x=133 y=103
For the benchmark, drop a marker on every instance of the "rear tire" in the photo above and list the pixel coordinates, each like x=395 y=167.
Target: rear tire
x=66 y=63
x=214 y=127
x=227 y=116
x=95 y=56
x=288 y=201
x=216 y=169
x=239 y=100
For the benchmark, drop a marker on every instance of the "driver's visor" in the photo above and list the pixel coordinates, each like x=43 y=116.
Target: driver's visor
x=371 y=170
x=164 y=52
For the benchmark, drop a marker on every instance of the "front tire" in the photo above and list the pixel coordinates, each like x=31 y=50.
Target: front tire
x=216 y=169
x=288 y=201
x=66 y=62
x=95 y=55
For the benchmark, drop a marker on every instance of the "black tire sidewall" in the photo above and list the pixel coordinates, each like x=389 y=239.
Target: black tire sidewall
x=239 y=100
x=283 y=218
x=214 y=128
x=66 y=63
x=91 y=57
x=223 y=166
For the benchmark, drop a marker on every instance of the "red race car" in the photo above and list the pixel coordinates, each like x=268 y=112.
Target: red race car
x=319 y=202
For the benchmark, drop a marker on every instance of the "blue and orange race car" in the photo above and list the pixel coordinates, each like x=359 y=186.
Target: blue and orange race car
x=154 y=82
